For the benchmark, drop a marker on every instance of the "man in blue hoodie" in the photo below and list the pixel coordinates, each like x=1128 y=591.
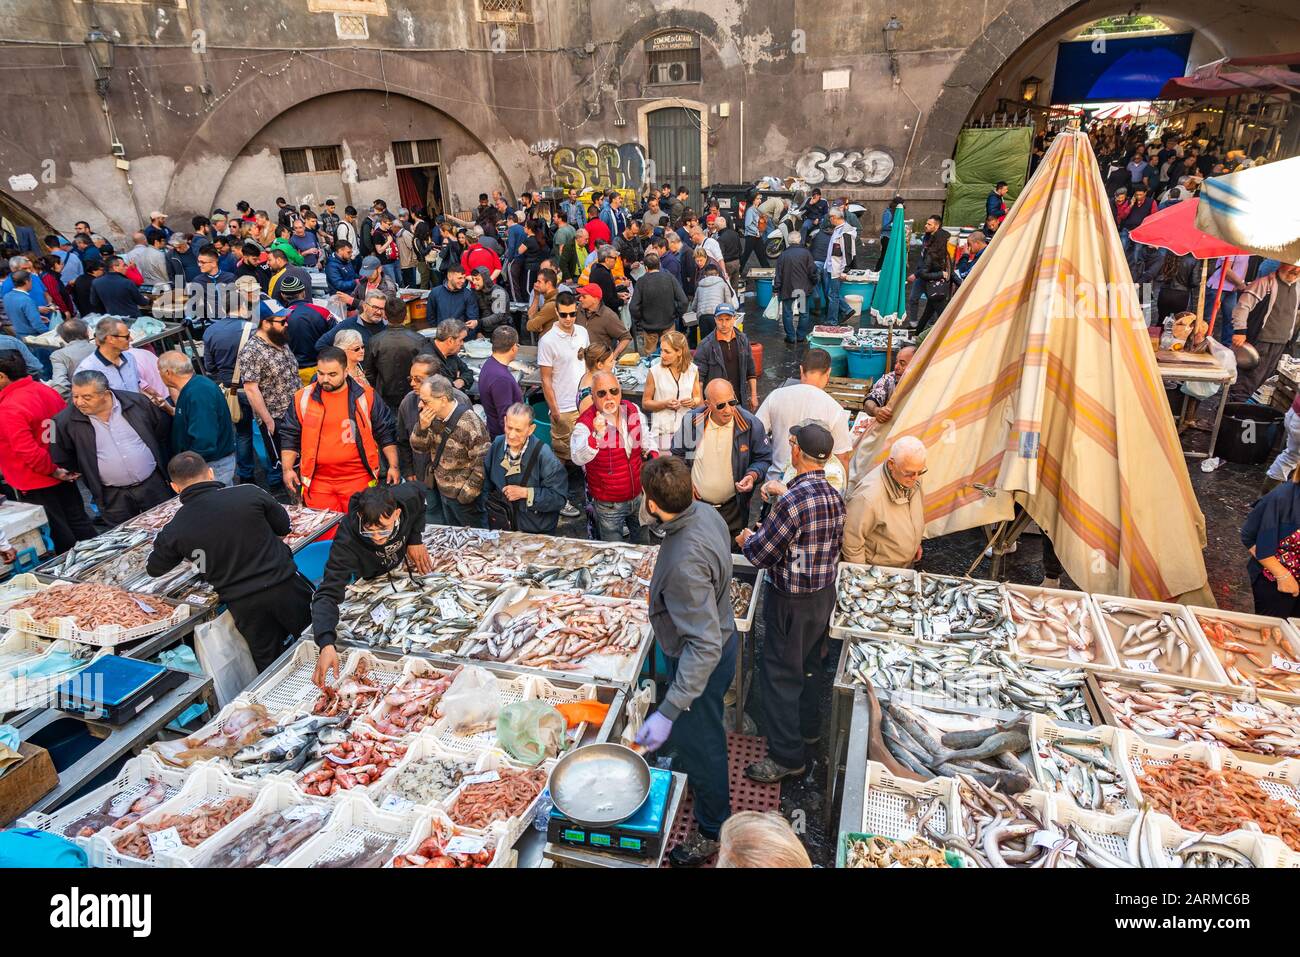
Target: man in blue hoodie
x=454 y=300
x=341 y=272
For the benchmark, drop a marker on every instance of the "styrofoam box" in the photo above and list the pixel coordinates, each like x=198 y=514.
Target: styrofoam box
x=275 y=796
x=132 y=783
x=514 y=826
x=207 y=784
x=1290 y=638
x=891 y=805
x=104 y=636
x=428 y=745
x=356 y=820
x=1213 y=677
x=839 y=620
x=1104 y=657
x=1110 y=832
x=1042 y=728
x=435 y=821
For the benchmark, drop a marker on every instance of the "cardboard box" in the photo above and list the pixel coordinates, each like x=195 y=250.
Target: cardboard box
x=25 y=783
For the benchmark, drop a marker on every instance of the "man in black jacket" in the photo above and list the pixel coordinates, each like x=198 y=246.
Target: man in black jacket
x=658 y=301
x=389 y=353
x=117 y=442
x=795 y=279
x=602 y=274
x=235 y=537
x=448 y=340
x=384 y=528
x=732 y=245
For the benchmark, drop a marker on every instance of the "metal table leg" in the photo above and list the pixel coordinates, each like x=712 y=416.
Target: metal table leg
x=1218 y=420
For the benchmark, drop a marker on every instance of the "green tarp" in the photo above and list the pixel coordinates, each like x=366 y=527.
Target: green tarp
x=984 y=157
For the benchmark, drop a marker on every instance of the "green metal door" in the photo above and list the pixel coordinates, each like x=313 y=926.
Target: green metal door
x=675 y=149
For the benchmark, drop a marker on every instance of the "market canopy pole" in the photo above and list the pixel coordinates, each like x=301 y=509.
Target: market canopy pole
x=889 y=301
x=1038 y=386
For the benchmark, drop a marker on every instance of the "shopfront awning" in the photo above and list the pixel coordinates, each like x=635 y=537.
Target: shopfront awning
x=1229 y=77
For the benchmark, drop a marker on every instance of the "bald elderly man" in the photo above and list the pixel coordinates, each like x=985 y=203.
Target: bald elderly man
x=885 y=519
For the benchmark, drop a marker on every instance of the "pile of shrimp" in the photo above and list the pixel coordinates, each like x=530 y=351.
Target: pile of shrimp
x=1216 y=802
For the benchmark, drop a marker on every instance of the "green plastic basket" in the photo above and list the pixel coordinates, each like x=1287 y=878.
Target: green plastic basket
x=841 y=854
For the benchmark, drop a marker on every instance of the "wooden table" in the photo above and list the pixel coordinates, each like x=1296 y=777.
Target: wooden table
x=1196 y=367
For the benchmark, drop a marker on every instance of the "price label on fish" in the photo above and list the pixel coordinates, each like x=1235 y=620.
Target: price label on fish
x=941 y=625
x=395 y=803
x=448 y=608
x=1246 y=710
x=487 y=777
x=464 y=845
x=380 y=614
x=168 y=839
x=1141 y=664
x=296 y=812
x=1282 y=663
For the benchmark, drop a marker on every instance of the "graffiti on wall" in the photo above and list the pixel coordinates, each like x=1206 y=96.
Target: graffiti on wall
x=603 y=166
x=832 y=167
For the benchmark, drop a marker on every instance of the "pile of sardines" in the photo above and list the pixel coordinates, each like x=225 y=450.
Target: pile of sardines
x=410 y=613
x=973 y=675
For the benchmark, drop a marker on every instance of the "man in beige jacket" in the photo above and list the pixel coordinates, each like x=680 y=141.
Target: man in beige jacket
x=885 y=519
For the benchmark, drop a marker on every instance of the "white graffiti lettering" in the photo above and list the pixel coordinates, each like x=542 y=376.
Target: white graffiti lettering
x=818 y=166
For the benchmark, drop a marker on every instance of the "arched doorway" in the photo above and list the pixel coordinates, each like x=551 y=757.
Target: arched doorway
x=677 y=144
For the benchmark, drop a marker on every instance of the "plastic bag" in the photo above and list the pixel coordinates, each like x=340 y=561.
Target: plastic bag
x=1226 y=358
x=472 y=703
x=223 y=653
x=638 y=706
x=531 y=731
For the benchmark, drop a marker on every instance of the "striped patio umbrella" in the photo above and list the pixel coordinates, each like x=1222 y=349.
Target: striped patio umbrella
x=1257 y=209
x=1038 y=385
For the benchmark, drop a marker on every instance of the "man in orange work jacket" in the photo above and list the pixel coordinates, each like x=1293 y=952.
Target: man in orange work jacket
x=332 y=435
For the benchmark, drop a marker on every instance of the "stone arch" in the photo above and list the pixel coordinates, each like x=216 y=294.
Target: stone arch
x=1021 y=22
x=210 y=152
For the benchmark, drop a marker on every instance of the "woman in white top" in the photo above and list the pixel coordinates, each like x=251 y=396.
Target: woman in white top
x=672 y=388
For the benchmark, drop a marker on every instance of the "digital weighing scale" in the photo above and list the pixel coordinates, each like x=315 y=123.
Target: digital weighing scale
x=641 y=835
x=114 y=689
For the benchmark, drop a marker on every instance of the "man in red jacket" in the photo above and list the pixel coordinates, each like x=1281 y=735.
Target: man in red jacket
x=610 y=441
x=479 y=255
x=27 y=411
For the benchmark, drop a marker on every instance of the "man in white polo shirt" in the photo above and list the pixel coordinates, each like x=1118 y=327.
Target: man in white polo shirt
x=561 y=366
x=789 y=405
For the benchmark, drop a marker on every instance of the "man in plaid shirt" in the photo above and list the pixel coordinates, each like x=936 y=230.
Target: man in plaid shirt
x=799 y=543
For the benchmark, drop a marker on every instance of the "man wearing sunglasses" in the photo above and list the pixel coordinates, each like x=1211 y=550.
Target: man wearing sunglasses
x=885 y=518
x=727 y=449
x=610 y=441
x=383 y=529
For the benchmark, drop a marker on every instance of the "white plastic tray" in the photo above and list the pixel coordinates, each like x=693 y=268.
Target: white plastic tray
x=514 y=826
x=887 y=804
x=1042 y=728
x=1289 y=637
x=104 y=636
x=427 y=745
x=1217 y=680
x=436 y=822
x=207 y=784
x=839 y=620
x=274 y=797
x=356 y=819
x=1105 y=657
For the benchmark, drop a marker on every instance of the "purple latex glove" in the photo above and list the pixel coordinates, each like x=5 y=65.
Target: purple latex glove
x=654 y=732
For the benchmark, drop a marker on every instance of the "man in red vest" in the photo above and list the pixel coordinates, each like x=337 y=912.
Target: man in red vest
x=334 y=434
x=610 y=441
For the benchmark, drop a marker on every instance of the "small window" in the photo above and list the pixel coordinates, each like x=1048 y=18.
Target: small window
x=294 y=161
x=325 y=158
x=429 y=152
x=417 y=153
x=404 y=153
x=673 y=57
x=351 y=26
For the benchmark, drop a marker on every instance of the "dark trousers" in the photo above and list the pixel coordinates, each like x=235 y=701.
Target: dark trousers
x=884 y=245
x=452 y=512
x=933 y=310
x=793 y=647
x=699 y=740
x=914 y=300
x=65 y=512
x=245 y=452
x=735 y=512
x=127 y=501
x=271 y=618
x=753 y=247
x=1270 y=601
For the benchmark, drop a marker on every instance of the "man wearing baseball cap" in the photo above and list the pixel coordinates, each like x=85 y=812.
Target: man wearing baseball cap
x=157 y=228
x=799 y=544
x=600 y=321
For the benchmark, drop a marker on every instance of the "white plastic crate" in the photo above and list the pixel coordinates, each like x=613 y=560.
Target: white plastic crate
x=509 y=691
x=745 y=622
x=383 y=672
x=1287 y=858
x=891 y=806
x=1279 y=779
x=412 y=667
x=435 y=822
x=104 y=636
x=1290 y=638
x=19 y=587
x=277 y=795
x=840 y=622
x=1042 y=728
x=1104 y=657
x=286 y=689
x=355 y=822
x=207 y=784
x=513 y=826
x=1110 y=832
x=429 y=745
x=215 y=725
x=19 y=646
x=1212 y=677
x=1139 y=751
x=132 y=783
